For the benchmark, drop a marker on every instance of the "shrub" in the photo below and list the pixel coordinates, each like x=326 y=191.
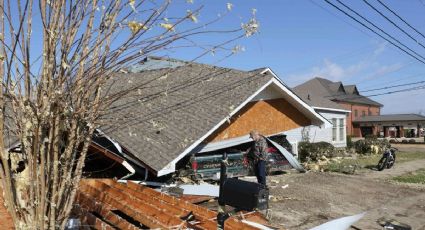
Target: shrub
x=392 y=141
x=412 y=141
x=362 y=147
x=314 y=151
x=371 y=145
x=371 y=137
x=404 y=141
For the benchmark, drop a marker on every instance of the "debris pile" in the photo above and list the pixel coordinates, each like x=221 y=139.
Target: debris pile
x=108 y=204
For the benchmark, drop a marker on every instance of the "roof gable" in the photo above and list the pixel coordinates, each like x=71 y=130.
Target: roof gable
x=172 y=109
x=316 y=93
x=351 y=89
x=324 y=91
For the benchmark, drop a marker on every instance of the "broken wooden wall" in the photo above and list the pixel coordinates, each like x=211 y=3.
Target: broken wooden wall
x=268 y=117
x=107 y=204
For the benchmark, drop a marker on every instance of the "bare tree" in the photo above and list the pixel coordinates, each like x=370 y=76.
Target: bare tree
x=56 y=56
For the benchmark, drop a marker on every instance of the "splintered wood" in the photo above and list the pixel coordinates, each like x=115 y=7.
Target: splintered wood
x=107 y=204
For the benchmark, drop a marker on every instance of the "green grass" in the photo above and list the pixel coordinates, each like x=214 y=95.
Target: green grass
x=417 y=177
x=367 y=162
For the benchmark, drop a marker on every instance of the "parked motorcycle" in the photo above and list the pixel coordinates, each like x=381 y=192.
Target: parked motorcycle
x=388 y=159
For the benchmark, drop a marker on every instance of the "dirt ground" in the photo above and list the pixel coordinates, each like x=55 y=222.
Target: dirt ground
x=313 y=198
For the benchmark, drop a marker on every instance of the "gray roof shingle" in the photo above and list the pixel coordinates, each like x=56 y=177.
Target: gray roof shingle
x=324 y=93
x=351 y=89
x=392 y=117
x=314 y=93
x=171 y=107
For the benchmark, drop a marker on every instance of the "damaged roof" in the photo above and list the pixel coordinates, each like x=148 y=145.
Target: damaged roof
x=169 y=107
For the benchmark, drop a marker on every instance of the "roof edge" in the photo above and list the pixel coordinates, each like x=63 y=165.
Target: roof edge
x=332 y=109
x=170 y=167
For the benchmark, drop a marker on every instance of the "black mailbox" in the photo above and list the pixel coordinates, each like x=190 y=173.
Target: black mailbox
x=244 y=195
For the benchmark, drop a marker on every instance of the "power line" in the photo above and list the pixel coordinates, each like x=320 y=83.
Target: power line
x=393 y=86
x=398 y=91
x=392 y=22
x=404 y=78
x=347 y=22
x=355 y=19
x=340 y=18
x=402 y=18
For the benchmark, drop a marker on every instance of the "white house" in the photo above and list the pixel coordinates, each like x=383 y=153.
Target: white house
x=311 y=93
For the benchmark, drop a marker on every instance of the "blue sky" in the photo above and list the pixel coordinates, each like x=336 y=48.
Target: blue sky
x=302 y=39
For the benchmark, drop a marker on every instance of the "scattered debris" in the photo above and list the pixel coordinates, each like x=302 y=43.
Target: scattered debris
x=393 y=224
x=107 y=204
x=279 y=198
x=257 y=225
x=196 y=199
x=285 y=186
x=340 y=223
x=186 y=180
x=174 y=191
x=201 y=189
x=274 y=181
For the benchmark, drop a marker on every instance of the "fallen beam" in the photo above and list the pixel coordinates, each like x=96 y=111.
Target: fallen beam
x=107 y=203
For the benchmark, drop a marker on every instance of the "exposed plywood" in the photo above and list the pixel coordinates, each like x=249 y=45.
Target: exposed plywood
x=268 y=117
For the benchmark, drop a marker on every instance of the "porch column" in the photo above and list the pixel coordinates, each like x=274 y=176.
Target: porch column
x=418 y=128
x=386 y=131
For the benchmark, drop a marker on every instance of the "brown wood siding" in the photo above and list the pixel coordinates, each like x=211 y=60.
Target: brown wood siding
x=268 y=117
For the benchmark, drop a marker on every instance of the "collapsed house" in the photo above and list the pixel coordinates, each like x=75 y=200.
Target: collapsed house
x=173 y=109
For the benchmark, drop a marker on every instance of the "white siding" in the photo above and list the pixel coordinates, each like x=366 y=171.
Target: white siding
x=317 y=134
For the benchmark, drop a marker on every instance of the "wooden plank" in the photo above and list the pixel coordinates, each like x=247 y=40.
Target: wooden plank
x=136 y=200
x=145 y=214
x=105 y=210
x=195 y=199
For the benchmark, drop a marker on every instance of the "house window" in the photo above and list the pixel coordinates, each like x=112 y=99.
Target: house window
x=370 y=113
x=355 y=113
x=334 y=128
x=363 y=113
x=341 y=129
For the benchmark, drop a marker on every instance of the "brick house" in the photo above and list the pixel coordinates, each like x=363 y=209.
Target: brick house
x=347 y=97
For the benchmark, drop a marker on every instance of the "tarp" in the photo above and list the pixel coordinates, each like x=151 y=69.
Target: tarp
x=291 y=159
